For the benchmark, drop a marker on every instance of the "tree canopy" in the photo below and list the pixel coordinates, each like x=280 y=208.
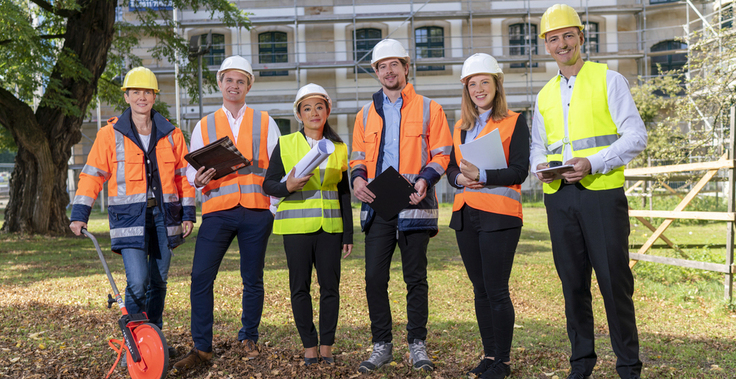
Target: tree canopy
x=55 y=58
x=687 y=110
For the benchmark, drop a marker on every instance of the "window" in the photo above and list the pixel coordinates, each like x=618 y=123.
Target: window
x=430 y=43
x=727 y=16
x=662 y=1
x=591 y=35
x=284 y=126
x=668 y=62
x=217 y=52
x=521 y=40
x=365 y=39
x=272 y=48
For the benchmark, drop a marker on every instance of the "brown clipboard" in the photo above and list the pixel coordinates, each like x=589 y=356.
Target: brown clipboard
x=222 y=155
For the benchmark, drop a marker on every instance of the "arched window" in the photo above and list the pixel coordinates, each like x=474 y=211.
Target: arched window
x=522 y=38
x=365 y=39
x=273 y=48
x=668 y=62
x=591 y=34
x=217 y=53
x=430 y=43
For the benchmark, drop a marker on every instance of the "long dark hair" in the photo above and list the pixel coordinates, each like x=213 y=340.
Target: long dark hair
x=330 y=134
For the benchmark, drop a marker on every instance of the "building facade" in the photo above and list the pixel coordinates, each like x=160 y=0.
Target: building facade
x=294 y=42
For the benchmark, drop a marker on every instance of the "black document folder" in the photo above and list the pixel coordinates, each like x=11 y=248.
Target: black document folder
x=392 y=192
x=221 y=155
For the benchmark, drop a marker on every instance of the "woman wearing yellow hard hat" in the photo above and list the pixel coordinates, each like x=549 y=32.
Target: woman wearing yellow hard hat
x=151 y=204
x=486 y=214
x=314 y=216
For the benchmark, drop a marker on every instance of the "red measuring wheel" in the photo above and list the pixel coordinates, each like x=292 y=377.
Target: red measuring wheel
x=153 y=350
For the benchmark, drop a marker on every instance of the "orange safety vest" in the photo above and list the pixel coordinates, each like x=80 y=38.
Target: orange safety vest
x=424 y=143
x=117 y=158
x=504 y=200
x=245 y=186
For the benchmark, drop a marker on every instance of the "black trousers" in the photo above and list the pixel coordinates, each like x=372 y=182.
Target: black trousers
x=590 y=230
x=488 y=257
x=323 y=251
x=380 y=243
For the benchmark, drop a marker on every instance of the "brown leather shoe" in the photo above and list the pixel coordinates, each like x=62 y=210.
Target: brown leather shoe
x=193 y=359
x=250 y=349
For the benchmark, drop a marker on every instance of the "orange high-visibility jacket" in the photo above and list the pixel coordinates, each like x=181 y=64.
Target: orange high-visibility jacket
x=116 y=156
x=424 y=152
x=504 y=200
x=244 y=186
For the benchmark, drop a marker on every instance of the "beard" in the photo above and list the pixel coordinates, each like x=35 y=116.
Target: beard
x=398 y=85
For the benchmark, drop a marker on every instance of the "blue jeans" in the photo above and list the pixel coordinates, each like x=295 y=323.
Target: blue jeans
x=147 y=270
x=252 y=227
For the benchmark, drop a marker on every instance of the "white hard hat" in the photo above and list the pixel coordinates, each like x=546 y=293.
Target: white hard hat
x=388 y=48
x=308 y=91
x=480 y=63
x=236 y=62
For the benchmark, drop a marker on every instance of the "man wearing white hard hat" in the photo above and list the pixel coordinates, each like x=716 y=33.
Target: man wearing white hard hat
x=232 y=206
x=315 y=218
x=408 y=132
x=585 y=117
x=486 y=213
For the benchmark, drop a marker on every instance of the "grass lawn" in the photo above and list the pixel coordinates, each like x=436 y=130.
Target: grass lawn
x=54 y=321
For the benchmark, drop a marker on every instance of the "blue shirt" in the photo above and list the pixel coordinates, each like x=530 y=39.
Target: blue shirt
x=473 y=133
x=392 y=116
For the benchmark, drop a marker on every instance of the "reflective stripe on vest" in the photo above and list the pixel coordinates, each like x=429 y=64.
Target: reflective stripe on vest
x=505 y=200
x=426 y=117
x=317 y=205
x=244 y=186
x=590 y=126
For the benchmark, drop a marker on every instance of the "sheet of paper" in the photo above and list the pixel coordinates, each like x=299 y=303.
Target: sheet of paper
x=321 y=151
x=485 y=152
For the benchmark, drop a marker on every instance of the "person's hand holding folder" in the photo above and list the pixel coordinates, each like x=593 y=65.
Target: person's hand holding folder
x=390 y=192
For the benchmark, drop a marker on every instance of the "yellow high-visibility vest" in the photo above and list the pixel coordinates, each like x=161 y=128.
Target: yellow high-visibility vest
x=317 y=205
x=589 y=123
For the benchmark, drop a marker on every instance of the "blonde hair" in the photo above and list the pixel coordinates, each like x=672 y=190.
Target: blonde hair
x=470 y=111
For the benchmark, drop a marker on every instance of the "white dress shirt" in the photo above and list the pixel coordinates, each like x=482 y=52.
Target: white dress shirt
x=629 y=125
x=196 y=141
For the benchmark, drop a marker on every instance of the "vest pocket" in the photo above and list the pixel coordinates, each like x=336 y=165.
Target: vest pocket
x=371 y=150
x=134 y=167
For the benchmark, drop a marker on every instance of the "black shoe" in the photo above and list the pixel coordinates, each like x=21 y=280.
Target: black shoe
x=310 y=361
x=498 y=370
x=577 y=375
x=484 y=365
x=329 y=360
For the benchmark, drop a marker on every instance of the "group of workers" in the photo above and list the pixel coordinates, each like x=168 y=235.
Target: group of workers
x=584 y=117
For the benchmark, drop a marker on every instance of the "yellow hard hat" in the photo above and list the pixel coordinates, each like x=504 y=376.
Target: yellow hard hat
x=140 y=77
x=559 y=16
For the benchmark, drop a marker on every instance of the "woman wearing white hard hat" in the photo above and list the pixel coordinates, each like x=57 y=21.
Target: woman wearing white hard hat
x=487 y=215
x=315 y=218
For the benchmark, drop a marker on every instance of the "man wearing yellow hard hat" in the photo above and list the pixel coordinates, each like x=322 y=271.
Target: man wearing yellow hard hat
x=151 y=204
x=585 y=117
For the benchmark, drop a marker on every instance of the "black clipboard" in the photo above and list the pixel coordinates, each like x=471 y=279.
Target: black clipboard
x=221 y=155
x=392 y=192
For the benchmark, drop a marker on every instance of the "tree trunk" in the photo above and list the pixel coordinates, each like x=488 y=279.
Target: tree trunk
x=38 y=191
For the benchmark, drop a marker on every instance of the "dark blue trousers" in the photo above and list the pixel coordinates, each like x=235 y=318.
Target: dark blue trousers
x=252 y=227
